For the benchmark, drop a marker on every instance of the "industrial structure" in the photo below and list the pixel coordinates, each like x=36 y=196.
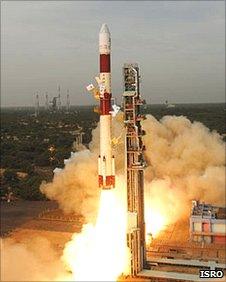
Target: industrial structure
x=147 y=263
x=47 y=102
x=207 y=223
x=52 y=104
x=106 y=161
x=58 y=100
x=78 y=139
x=68 y=102
x=135 y=165
x=36 y=105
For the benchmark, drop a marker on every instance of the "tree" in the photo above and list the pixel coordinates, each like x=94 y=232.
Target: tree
x=29 y=188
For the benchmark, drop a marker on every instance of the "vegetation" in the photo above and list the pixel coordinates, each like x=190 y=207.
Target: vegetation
x=36 y=145
x=29 y=143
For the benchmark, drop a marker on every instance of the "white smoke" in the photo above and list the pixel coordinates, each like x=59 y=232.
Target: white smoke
x=28 y=261
x=75 y=187
x=185 y=160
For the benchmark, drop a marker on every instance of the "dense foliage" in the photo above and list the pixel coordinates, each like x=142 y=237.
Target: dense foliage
x=26 y=141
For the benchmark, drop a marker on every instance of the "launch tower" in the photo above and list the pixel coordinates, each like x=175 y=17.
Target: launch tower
x=47 y=102
x=135 y=165
x=36 y=105
x=68 y=102
x=58 y=100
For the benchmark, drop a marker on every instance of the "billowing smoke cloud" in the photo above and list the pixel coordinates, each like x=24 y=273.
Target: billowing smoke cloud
x=104 y=244
x=75 y=187
x=185 y=161
x=28 y=261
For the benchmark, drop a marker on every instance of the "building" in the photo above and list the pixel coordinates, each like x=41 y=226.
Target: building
x=207 y=223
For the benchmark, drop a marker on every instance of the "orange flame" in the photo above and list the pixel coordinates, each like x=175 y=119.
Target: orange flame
x=155 y=222
x=99 y=252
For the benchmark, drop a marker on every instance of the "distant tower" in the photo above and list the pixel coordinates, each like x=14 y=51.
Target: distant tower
x=47 y=102
x=68 y=102
x=59 y=101
x=54 y=104
x=36 y=105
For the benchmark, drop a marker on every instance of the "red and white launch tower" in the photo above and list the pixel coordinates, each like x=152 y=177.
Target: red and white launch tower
x=106 y=161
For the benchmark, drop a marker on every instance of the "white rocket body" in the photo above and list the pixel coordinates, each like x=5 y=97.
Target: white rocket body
x=106 y=162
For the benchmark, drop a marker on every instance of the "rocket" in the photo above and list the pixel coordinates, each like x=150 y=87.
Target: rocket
x=106 y=161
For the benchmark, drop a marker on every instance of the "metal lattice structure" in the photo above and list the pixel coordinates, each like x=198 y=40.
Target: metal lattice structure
x=36 y=105
x=135 y=165
x=68 y=102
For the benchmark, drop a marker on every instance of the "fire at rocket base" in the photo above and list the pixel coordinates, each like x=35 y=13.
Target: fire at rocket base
x=106 y=161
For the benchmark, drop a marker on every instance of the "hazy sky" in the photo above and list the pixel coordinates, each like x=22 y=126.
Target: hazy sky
x=179 y=46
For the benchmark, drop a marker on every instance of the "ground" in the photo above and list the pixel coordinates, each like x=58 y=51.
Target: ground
x=174 y=242
x=22 y=220
x=16 y=213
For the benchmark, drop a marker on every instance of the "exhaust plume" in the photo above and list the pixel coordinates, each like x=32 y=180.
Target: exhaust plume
x=75 y=187
x=185 y=161
x=27 y=261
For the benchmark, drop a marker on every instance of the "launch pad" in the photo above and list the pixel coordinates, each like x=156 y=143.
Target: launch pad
x=173 y=255
x=170 y=255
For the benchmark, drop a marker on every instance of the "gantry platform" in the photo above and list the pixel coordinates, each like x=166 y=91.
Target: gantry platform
x=171 y=256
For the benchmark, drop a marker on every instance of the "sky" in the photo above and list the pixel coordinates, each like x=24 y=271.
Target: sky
x=179 y=46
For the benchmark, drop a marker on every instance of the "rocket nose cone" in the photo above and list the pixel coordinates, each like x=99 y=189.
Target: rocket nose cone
x=104 y=28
